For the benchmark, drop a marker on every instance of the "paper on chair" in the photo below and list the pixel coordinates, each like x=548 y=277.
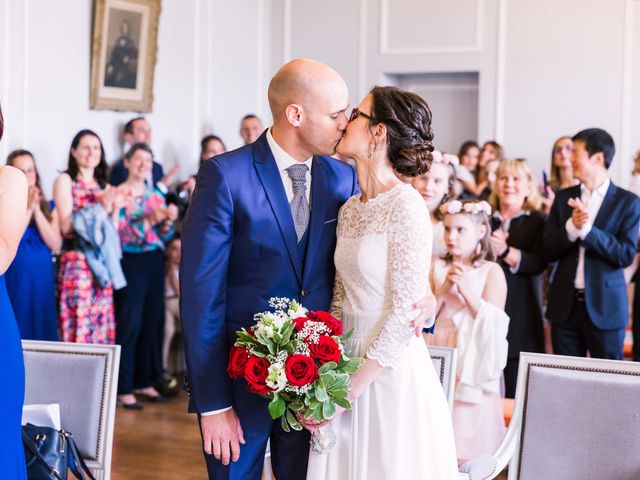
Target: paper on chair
x=42 y=415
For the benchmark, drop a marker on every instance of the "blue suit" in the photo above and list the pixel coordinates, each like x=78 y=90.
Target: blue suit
x=609 y=247
x=240 y=249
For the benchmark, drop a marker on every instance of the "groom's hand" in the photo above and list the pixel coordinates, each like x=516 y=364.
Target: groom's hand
x=222 y=435
x=427 y=306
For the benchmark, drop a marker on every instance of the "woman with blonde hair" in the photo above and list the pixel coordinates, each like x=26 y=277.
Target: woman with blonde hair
x=517 y=226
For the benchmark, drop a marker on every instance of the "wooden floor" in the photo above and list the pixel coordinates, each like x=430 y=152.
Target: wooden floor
x=159 y=442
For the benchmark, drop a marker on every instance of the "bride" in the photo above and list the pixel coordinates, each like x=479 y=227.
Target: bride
x=400 y=424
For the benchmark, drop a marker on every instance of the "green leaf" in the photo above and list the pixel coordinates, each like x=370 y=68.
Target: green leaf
x=343 y=402
x=346 y=336
x=353 y=365
x=327 y=367
x=277 y=406
x=285 y=424
x=317 y=414
x=293 y=421
x=328 y=409
x=321 y=393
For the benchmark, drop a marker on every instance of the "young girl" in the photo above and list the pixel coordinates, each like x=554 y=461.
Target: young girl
x=145 y=224
x=471 y=292
x=171 y=300
x=436 y=188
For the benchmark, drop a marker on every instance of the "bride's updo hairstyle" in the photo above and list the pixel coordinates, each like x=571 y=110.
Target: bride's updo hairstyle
x=408 y=120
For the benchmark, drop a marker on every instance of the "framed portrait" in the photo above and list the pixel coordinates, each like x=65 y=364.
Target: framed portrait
x=123 y=54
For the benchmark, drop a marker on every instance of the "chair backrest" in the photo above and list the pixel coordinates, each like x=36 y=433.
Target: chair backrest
x=83 y=379
x=444 y=361
x=577 y=418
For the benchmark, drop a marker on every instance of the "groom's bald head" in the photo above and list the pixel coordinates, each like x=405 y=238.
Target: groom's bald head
x=304 y=82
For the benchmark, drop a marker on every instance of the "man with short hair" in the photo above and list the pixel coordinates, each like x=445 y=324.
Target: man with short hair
x=250 y=128
x=138 y=130
x=592 y=231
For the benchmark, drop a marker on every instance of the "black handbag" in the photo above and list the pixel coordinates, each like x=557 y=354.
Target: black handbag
x=50 y=452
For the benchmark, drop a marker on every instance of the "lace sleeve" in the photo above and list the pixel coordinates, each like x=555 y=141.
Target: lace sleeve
x=408 y=260
x=337 y=299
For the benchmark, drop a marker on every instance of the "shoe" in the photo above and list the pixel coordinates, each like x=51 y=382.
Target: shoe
x=167 y=385
x=130 y=406
x=152 y=398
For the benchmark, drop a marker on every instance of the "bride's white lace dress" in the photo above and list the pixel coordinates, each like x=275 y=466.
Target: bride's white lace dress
x=400 y=427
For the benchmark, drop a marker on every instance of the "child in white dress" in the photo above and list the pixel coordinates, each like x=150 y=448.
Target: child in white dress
x=471 y=292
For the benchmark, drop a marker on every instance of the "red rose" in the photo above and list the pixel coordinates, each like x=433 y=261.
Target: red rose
x=238 y=357
x=329 y=320
x=298 y=323
x=300 y=370
x=255 y=372
x=326 y=350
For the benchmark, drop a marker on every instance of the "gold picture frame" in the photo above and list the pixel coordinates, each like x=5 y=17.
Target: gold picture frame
x=123 y=54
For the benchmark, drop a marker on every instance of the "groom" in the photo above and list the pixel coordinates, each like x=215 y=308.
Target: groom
x=262 y=223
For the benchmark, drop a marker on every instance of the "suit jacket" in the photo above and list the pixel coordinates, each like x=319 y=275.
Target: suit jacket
x=119 y=173
x=240 y=249
x=609 y=248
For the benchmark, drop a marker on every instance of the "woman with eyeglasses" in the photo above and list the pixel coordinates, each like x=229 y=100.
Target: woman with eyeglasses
x=13 y=218
x=382 y=258
x=517 y=226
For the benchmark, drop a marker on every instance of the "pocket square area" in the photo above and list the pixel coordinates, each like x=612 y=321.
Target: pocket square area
x=331 y=221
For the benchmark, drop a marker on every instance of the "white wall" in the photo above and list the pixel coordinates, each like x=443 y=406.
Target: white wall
x=545 y=68
x=209 y=73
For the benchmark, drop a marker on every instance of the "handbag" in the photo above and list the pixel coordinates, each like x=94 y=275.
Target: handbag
x=49 y=453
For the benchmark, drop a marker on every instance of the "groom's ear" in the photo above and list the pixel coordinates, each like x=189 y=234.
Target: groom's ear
x=294 y=114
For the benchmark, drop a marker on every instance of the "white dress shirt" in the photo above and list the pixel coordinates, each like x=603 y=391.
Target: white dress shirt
x=594 y=200
x=283 y=161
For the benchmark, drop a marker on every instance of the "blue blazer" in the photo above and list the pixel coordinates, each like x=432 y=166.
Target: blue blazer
x=609 y=248
x=239 y=249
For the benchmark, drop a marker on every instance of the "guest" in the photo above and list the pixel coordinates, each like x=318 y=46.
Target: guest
x=468 y=155
x=250 y=128
x=491 y=150
x=210 y=146
x=592 y=232
x=634 y=187
x=436 y=188
x=466 y=172
x=560 y=172
x=145 y=223
x=13 y=218
x=138 y=130
x=490 y=171
x=31 y=274
x=471 y=291
x=171 y=299
x=517 y=242
x=477 y=186
x=85 y=299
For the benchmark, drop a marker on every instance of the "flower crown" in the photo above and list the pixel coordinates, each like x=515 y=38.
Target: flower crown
x=474 y=208
x=446 y=158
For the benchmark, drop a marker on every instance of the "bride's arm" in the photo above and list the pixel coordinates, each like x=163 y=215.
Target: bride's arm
x=408 y=264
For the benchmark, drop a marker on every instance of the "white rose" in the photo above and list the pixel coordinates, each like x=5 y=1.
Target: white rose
x=277 y=379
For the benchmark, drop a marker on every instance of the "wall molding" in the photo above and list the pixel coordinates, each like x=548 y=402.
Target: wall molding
x=286 y=31
x=4 y=148
x=501 y=63
x=477 y=46
x=363 y=51
x=625 y=148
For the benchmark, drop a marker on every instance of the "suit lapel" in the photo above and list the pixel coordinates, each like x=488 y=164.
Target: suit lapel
x=319 y=189
x=605 y=212
x=269 y=176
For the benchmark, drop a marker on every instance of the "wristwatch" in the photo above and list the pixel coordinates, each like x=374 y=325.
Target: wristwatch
x=504 y=254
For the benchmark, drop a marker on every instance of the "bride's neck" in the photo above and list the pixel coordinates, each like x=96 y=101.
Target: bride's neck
x=375 y=177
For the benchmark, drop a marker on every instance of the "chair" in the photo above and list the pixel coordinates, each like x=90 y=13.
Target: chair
x=445 y=360
x=83 y=379
x=574 y=418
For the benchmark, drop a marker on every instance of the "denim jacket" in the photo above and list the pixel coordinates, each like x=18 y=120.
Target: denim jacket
x=100 y=243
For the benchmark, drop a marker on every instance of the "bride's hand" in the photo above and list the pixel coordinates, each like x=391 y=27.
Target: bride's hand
x=427 y=306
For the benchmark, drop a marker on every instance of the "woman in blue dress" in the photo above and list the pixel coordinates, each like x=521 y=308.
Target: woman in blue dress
x=31 y=275
x=13 y=218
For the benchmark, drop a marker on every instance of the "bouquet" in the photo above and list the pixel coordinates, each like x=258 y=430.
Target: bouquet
x=296 y=359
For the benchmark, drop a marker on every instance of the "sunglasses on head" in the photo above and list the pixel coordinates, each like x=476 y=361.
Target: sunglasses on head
x=355 y=112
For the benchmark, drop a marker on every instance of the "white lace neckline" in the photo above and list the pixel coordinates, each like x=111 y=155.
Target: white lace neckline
x=381 y=196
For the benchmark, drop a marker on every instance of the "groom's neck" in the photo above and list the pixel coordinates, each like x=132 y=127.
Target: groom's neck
x=287 y=139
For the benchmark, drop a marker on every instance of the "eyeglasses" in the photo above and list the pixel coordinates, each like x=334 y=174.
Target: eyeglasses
x=355 y=112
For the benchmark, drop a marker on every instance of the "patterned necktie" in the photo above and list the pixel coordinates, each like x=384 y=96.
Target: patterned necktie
x=299 y=204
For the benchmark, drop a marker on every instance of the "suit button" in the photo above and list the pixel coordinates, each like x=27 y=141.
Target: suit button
x=304 y=293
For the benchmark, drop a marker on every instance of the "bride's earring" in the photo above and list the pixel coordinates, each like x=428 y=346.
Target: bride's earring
x=372 y=148
x=478 y=248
